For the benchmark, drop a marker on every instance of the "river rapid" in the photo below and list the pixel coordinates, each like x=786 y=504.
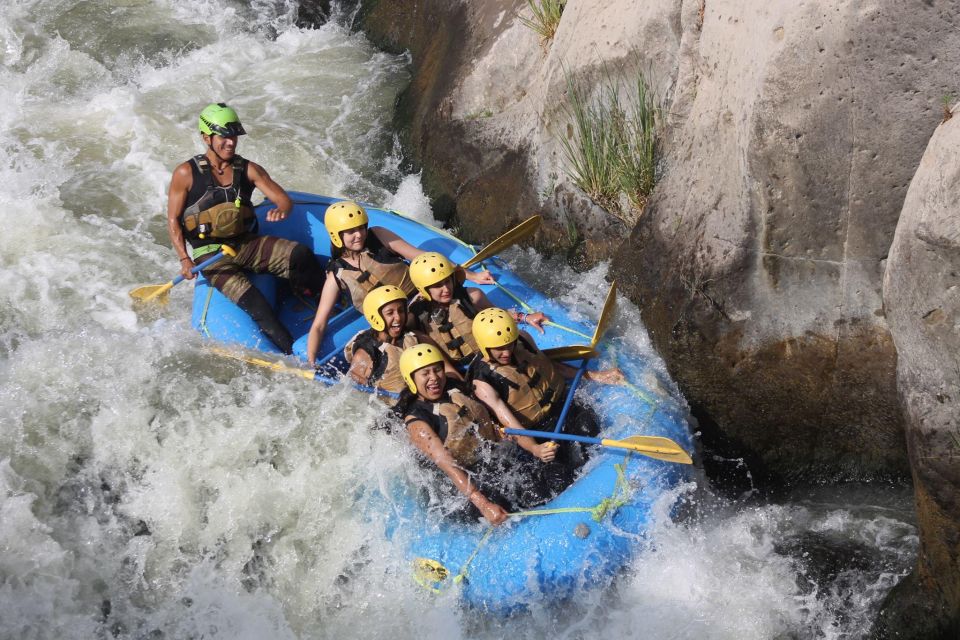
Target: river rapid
x=149 y=490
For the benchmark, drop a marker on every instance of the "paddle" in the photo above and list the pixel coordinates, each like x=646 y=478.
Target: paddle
x=605 y=317
x=509 y=238
x=650 y=446
x=160 y=292
x=307 y=374
x=571 y=352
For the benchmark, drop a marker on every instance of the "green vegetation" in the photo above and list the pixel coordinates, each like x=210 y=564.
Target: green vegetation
x=947 y=101
x=482 y=113
x=611 y=144
x=576 y=245
x=573 y=234
x=545 y=18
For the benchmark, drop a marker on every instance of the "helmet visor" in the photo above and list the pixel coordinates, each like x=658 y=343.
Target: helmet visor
x=227 y=130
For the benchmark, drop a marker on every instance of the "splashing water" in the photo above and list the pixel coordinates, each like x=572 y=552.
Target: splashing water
x=147 y=491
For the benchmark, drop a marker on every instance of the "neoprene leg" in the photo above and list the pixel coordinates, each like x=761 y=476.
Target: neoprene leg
x=284 y=259
x=260 y=310
x=305 y=270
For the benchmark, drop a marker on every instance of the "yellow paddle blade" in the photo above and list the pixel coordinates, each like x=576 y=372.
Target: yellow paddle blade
x=606 y=315
x=157 y=293
x=571 y=352
x=279 y=367
x=509 y=238
x=652 y=447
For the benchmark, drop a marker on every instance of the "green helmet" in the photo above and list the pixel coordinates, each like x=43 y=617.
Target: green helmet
x=219 y=119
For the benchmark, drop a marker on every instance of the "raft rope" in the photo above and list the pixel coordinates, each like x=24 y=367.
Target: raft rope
x=619 y=498
x=457 y=579
x=203 y=316
x=632 y=388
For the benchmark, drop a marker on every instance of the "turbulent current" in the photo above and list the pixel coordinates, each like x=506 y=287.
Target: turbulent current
x=150 y=490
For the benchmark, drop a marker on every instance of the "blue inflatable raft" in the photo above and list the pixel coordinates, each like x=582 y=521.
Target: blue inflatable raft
x=581 y=539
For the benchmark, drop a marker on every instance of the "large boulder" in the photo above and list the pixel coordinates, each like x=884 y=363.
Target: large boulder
x=921 y=292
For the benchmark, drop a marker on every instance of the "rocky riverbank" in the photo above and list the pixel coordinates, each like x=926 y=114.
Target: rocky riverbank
x=791 y=134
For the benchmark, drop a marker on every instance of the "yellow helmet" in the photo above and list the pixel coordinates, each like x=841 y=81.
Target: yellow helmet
x=429 y=268
x=494 y=328
x=341 y=216
x=376 y=299
x=417 y=357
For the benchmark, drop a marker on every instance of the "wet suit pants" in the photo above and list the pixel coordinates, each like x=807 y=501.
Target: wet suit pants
x=266 y=254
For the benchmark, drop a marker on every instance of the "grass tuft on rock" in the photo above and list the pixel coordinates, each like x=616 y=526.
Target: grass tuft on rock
x=544 y=18
x=611 y=143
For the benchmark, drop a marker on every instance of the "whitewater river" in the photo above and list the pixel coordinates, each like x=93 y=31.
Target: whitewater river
x=148 y=490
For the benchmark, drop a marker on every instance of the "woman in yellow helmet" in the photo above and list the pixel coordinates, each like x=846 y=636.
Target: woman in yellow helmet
x=362 y=258
x=511 y=370
x=374 y=354
x=457 y=434
x=445 y=309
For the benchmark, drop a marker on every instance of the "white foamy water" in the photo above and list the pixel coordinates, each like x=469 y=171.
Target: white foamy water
x=150 y=491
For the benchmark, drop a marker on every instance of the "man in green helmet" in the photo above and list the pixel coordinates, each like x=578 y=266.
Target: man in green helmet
x=209 y=205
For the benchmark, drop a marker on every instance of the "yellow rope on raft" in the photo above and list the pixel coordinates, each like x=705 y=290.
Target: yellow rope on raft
x=457 y=579
x=203 y=315
x=620 y=497
x=634 y=389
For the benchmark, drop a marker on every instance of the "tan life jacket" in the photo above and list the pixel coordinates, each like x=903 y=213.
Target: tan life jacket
x=370 y=275
x=468 y=423
x=385 y=356
x=535 y=383
x=451 y=328
x=221 y=221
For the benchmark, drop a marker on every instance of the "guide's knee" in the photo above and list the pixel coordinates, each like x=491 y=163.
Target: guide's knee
x=305 y=269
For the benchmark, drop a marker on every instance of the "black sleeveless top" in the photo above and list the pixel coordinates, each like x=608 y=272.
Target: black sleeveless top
x=205 y=192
